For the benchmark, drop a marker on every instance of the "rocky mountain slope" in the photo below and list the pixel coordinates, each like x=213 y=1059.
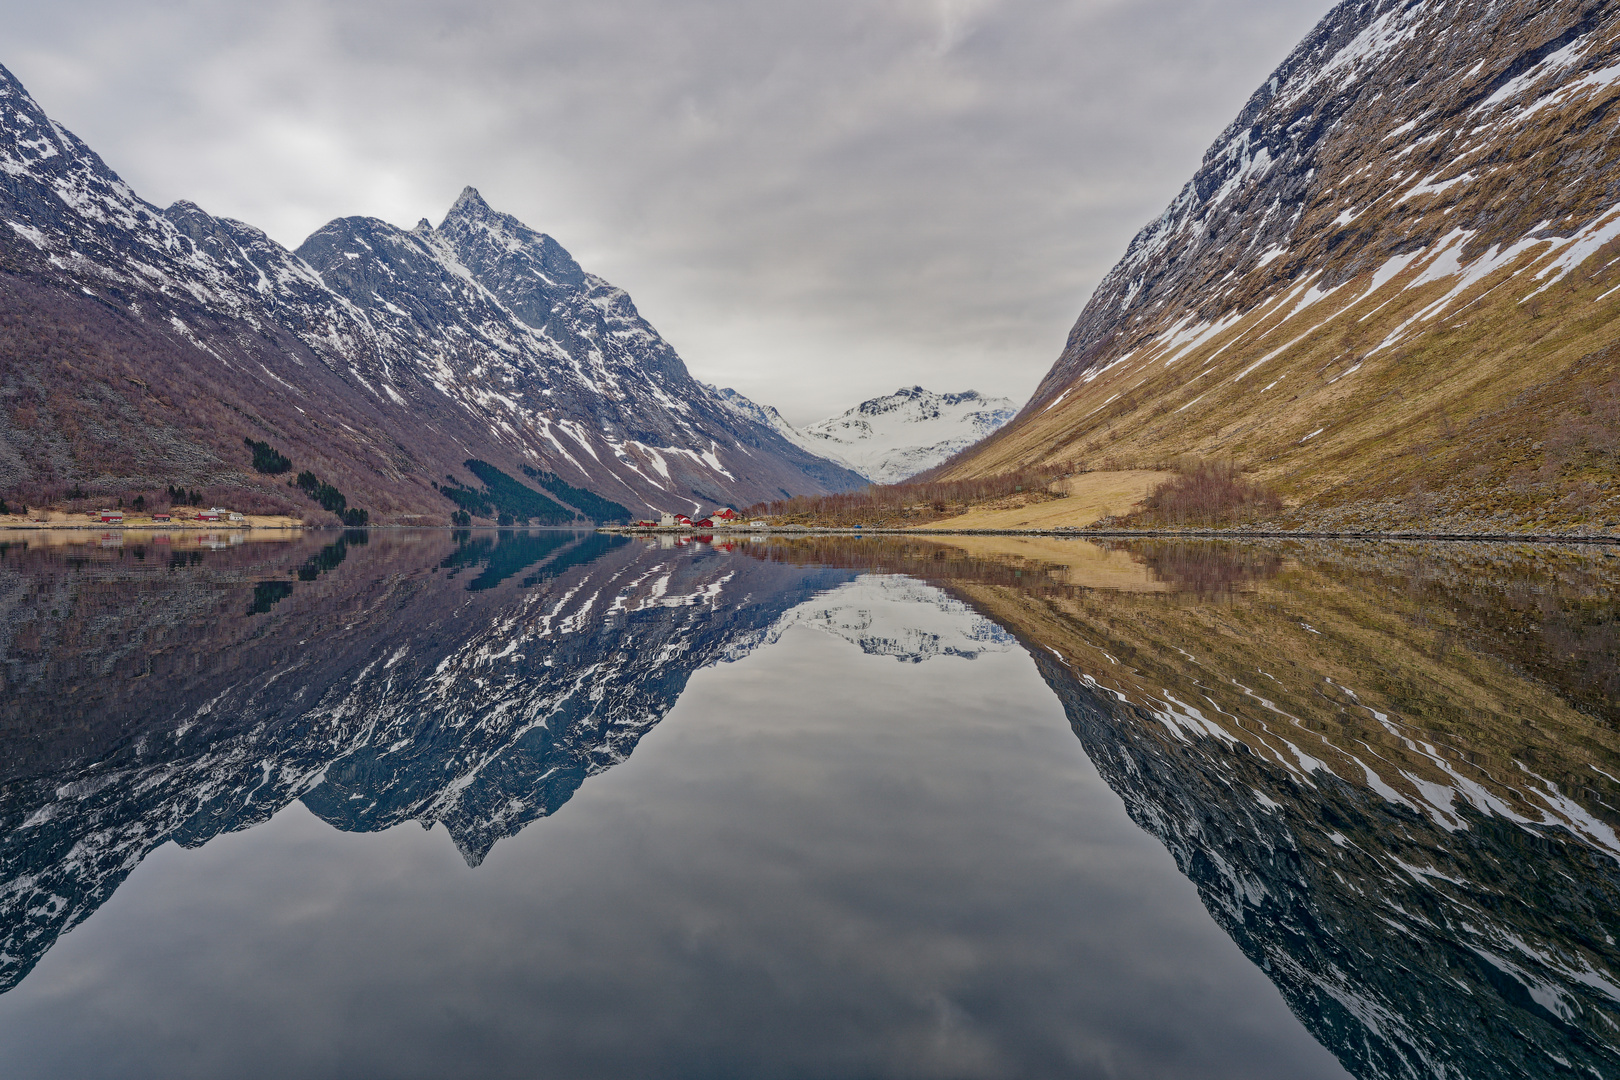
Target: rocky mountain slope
x=1391 y=286
x=892 y=438
x=142 y=346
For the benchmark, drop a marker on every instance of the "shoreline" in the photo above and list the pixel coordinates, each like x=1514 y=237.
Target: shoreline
x=207 y=526
x=1141 y=534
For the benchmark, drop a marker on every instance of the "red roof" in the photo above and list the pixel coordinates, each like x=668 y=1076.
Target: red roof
x=706 y=523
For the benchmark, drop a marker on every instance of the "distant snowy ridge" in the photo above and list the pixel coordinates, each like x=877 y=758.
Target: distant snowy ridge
x=889 y=439
x=767 y=416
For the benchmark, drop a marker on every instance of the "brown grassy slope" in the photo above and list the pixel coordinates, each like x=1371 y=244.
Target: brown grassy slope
x=1371 y=397
x=1505 y=410
x=1087 y=499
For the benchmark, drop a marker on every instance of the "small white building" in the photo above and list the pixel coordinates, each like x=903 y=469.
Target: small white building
x=666 y=520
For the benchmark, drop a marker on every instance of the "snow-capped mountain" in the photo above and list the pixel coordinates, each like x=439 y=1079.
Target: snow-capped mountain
x=1406 y=235
x=381 y=358
x=767 y=416
x=891 y=438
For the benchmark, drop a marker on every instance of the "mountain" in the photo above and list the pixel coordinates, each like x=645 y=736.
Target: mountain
x=143 y=346
x=767 y=416
x=889 y=439
x=1390 y=288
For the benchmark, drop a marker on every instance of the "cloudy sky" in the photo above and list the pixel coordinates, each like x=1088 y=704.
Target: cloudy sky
x=816 y=201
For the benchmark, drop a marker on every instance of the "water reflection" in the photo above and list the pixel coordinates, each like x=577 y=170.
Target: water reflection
x=1389 y=770
x=145 y=704
x=1392 y=771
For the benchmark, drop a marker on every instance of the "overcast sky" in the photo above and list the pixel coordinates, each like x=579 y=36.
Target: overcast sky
x=816 y=202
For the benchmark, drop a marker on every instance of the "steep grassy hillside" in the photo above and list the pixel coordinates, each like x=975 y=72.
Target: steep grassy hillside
x=1392 y=288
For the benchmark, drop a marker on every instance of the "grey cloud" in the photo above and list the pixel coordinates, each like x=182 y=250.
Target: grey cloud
x=816 y=202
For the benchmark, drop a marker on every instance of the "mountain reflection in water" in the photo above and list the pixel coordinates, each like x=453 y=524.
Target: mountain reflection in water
x=1389 y=770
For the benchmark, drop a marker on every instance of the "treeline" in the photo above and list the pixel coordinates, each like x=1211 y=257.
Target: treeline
x=916 y=503
x=509 y=502
x=331 y=499
x=270 y=461
x=588 y=503
x=266 y=460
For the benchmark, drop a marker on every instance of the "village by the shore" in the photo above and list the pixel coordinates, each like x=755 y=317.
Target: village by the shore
x=206 y=518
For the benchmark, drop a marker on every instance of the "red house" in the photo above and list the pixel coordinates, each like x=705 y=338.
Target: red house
x=706 y=523
x=112 y=517
x=725 y=513
x=682 y=519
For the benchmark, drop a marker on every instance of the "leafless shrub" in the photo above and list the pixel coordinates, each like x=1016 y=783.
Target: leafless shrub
x=914 y=501
x=1207 y=493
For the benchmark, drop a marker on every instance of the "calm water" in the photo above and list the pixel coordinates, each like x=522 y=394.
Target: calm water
x=562 y=805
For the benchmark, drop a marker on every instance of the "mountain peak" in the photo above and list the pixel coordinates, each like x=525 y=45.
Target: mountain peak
x=469 y=204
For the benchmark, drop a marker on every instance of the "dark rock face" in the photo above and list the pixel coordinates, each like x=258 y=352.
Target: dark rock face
x=473 y=683
x=382 y=359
